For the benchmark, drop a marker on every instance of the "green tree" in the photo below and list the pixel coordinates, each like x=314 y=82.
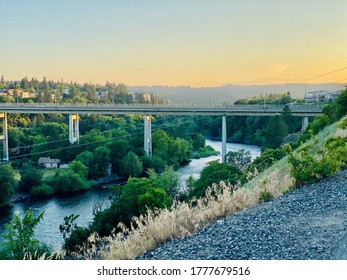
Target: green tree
x=30 y=177
x=340 y=104
x=102 y=161
x=213 y=173
x=79 y=168
x=20 y=238
x=131 y=200
x=8 y=184
x=240 y=158
x=64 y=181
x=131 y=165
x=275 y=132
x=87 y=158
x=288 y=118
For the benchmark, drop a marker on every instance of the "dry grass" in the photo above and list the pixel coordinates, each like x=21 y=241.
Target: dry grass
x=155 y=228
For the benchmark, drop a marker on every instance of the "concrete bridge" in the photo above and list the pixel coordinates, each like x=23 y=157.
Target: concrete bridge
x=147 y=111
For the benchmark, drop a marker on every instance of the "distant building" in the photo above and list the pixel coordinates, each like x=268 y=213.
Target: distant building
x=321 y=96
x=48 y=162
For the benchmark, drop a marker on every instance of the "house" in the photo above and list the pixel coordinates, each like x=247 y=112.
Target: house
x=48 y=162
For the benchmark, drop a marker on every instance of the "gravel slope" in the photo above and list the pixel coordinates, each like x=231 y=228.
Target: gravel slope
x=309 y=223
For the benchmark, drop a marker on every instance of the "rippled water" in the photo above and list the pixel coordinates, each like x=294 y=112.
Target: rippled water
x=56 y=209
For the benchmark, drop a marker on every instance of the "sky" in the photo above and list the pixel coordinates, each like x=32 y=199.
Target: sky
x=198 y=43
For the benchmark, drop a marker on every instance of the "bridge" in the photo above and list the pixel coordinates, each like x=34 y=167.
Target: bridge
x=147 y=111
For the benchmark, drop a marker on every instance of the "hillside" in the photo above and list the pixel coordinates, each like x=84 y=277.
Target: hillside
x=308 y=223
x=295 y=212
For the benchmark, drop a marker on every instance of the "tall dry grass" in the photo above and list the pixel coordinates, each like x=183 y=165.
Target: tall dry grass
x=156 y=227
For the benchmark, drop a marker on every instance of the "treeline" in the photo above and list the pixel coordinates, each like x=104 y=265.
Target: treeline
x=48 y=91
x=272 y=98
x=108 y=145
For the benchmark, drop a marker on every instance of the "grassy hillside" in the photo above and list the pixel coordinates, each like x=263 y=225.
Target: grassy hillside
x=155 y=228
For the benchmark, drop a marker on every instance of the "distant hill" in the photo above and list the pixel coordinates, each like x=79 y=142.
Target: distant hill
x=228 y=93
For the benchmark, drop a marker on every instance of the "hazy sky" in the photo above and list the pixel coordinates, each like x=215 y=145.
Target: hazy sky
x=174 y=42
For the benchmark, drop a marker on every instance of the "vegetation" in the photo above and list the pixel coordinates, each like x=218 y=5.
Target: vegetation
x=19 y=238
x=8 y=184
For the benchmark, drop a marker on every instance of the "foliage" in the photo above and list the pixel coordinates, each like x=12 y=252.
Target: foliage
x=73 y=235
x=8 y=184
x=240 y=158
x=205 y=151
x=30 y=177
x=64 y=181
x=276 y=130
x=19 y=236
x=42 y=190
x=167 y=180
x=265 y=196
x=213 y=173
x=267 y=158
x=131 y=165
x=319 y=123
x=311 y=163
x=79 y=168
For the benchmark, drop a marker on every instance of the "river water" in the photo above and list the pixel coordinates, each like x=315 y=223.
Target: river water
x=82 y=204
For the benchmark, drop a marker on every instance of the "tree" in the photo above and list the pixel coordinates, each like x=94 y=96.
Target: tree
x=287 y=117
x=240 y=158
x=30 y=177
x=79 y=168
x=131 y=165
x=340 y=104
x=168 y=180
x=19 y=238
x=275 y=132
x=213 y=173
x=64 y=181
x=102 y=161
x=8 y=184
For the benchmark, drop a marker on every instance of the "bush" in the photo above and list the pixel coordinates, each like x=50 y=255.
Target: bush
x=319 y=123
x=19 y=237
x=213 y=173
x=42 y=190
x=311 y=163
x=267 y=158
x=265 y=196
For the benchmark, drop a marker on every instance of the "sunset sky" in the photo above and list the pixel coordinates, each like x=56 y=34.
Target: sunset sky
x=181 y=42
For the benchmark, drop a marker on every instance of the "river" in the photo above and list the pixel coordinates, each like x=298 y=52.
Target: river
x=82 y=204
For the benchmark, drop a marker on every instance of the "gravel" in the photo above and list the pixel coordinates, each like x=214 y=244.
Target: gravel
x=309 y=223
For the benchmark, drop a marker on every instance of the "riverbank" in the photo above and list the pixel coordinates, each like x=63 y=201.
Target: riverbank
x=308 y=223
x=56 y=208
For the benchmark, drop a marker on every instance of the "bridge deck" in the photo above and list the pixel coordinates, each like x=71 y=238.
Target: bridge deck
x=251 y=110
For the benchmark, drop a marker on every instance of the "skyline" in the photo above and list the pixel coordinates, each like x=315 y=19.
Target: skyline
x=175 y=43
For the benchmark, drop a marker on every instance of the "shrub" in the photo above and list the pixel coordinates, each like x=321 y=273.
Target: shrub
x=319 y=123
x=19 y=237
x=42 y=190
x=265 y=196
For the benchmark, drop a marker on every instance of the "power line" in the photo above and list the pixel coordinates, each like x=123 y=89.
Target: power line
x=321 y=75
x=100 y=141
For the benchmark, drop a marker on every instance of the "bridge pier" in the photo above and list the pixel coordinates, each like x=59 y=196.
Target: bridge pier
x=4 y=137
x=147 y=134
x=224 y=138
x=74 y=130
x=304 y=123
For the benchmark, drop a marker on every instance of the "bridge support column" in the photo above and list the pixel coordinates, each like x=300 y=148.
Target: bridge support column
x=147 y=134
x=304 y=123
x=224 y=138
x=74 y=130
x=4 y=137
